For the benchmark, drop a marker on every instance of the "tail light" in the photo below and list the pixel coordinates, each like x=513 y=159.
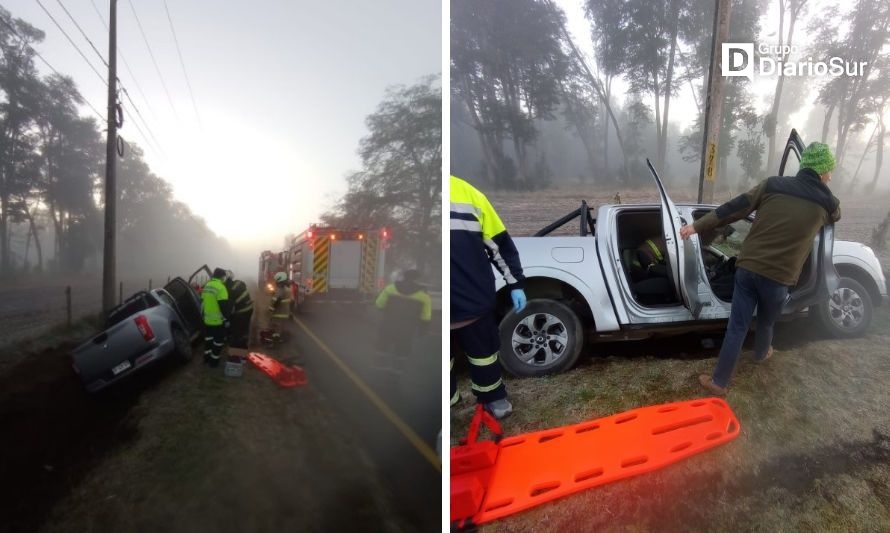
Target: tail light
x=385 y=233
x=144 y=328
x=360 y=236
x=333 y=237
x=309 y=234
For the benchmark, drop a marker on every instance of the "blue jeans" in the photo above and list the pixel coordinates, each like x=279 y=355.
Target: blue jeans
x=751 y=291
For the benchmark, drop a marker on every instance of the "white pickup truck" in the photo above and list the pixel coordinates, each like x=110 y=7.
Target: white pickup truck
x=581 y=290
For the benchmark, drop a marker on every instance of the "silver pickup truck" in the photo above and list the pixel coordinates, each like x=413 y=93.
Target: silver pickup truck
x=581 y=290
x=146 y=327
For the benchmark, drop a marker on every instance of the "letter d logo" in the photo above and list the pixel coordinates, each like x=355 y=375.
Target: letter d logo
x=737 y=59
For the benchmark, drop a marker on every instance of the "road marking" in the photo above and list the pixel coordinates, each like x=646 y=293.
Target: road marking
x=425 y=450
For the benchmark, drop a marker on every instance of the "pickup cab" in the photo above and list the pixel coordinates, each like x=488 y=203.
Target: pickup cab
x=146 y=327
x=581 y=290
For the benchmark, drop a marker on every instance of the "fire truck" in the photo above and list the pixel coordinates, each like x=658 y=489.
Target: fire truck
x=270 y=263
x=328 y=263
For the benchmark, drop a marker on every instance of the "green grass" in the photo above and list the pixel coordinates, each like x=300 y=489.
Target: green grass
x=813 y=453
x=53 y=337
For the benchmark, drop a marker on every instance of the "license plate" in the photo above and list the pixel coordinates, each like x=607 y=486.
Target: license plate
x=121 y=367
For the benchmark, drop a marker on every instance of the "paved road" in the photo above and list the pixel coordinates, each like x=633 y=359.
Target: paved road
x=397 y=420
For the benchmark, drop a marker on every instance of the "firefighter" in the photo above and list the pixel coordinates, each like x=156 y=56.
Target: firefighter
x=478 y=241
x=216 y=308
x=242 y=312
x=407 y=310
x=279 y=306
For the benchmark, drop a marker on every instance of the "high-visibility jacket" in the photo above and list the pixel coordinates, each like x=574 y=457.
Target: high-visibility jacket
x=651 y=251
x=240 y=296
x=279 y=304
x=478 y=241
x=419 y=296
x=214 y=297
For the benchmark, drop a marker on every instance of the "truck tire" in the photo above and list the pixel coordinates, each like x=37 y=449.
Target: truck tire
x=544 y=338
x=182 y=347
x=848 y=312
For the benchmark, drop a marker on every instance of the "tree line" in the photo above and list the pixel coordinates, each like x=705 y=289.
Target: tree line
x=52 y=167
x=516 y=71
x=399 y=185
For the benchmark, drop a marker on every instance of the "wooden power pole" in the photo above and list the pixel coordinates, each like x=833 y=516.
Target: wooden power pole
x=108 y=259
x=713 y=104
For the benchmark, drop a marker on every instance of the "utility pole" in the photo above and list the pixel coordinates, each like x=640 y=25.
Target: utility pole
x=108 y=259
x=713 y=104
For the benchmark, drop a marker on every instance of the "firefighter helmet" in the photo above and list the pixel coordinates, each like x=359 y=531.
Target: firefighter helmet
x=280 y=277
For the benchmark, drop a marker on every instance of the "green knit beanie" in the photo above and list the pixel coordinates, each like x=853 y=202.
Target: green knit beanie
x=818 y=157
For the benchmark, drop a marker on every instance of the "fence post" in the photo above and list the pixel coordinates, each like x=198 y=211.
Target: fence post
x=168 y=279
x=120 y=298
x=68 y=305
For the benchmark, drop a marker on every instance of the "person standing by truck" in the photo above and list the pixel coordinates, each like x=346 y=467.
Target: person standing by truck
x=478 y=241
x=407 y=312
x=279 y=306
x=216 y=308
x=242 y=313
x=790 y=211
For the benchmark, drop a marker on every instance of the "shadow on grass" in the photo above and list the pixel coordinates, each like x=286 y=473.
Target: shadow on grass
x=54 y=432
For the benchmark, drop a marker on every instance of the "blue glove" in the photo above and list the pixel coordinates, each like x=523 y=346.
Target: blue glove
x=519 y=299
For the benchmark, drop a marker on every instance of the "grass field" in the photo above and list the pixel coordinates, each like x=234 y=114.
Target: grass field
x=813 y=454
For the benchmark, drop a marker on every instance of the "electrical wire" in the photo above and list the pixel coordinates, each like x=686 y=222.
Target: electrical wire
x=83 y=33
x=49 y=65
x=182 y=62
x=150 y=53
x=120 y=52
x=156 y=147
x=70 y=40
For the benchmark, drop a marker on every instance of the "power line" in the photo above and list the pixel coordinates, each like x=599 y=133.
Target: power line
x=182 y=62
x=83 y=33
x=49 y=65
x=156 y=146
x=70 y=40
x=127 y=65
x=150 y=53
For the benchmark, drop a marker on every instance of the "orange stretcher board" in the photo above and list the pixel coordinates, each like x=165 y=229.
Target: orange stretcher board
x=500 y=479
x=285 y=376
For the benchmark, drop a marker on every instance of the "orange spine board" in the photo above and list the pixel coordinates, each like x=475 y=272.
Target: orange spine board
x=534 y=468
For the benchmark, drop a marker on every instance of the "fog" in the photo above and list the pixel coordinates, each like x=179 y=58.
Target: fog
x=556 y=129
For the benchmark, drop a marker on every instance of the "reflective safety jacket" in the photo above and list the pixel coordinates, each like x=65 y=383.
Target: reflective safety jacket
x=421 y=298
x=478 y=240
x=240 y=296
x=214 y=302
x=279 y=304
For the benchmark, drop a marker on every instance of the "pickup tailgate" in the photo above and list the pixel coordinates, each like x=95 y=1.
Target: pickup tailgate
x=119 y=348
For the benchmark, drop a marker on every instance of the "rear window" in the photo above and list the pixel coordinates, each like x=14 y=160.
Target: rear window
x=138 y=302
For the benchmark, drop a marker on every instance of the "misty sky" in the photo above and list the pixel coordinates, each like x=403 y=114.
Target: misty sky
x=683 y=110
x=282 y=91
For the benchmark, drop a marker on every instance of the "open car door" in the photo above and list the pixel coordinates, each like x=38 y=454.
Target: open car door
x=819 y=279
x=684 y=266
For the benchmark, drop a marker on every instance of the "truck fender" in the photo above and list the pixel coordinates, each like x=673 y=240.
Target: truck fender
x=600 y=305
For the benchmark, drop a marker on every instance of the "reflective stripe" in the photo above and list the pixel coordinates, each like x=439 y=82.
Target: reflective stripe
x=218 y=343
x=452 y=364
x=489 y=388
x=280 y=316
x=455 y=397
x=655 y=250
x=483 y=361
x=246 y=309
x=459 y=207
x=466 y=225
x=207 y=352
x=214 y=356
x=208 y=339
x=502 y=265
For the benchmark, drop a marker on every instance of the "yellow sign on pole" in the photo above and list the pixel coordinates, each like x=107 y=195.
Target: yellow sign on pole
x=711 y=163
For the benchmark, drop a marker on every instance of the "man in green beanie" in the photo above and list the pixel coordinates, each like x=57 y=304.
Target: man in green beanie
x=790 y=211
